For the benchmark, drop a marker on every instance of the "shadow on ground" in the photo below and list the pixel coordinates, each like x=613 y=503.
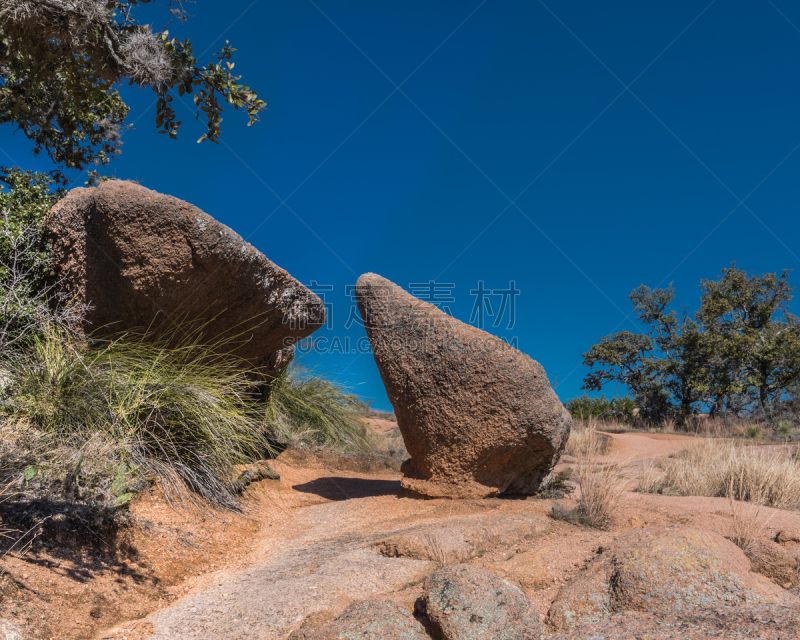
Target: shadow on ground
x=337 y=488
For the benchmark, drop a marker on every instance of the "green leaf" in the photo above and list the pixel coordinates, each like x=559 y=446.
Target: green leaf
x=123 y=500
x=30 y=473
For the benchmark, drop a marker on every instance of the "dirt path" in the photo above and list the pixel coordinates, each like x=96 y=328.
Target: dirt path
x=629 y=447
x=319 y=553
x=319 y=556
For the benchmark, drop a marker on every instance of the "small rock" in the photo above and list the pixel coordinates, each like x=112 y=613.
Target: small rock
x=788 y=538
x=775 y=562
x=255 y=472
x=367 y=620
x=467 y=603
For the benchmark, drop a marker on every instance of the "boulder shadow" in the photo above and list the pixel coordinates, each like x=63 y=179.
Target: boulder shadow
x=337 y=488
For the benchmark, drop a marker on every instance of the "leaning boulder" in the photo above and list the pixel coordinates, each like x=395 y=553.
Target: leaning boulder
x=478 y=417
x=148 y=261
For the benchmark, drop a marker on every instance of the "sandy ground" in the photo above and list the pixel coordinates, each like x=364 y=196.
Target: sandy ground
x=630 y=447
x=315 y=552
x=380 y=426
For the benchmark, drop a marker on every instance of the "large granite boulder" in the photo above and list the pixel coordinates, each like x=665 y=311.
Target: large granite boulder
x=144 y=260
x=478 y=417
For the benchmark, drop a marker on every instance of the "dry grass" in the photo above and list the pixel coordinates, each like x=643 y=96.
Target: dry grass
x=650 y=477
x=388 y=444
x=601 y=485
x=668 y=426
x=601 y=490
x=442 y=547
x=748 y=526
x=584 y=437
x=731 y=470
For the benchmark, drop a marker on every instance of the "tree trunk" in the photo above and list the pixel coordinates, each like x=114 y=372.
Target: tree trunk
x=763 y=396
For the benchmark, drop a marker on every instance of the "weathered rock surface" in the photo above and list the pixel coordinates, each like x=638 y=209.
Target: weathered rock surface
x=662 y=571
x=467 y=603
x=788 y=538
x=478 y=417
x=527 y=570
x=147 y=260
x=775 y=562
x=462 y=539
x=767 y=622
x=367 y=620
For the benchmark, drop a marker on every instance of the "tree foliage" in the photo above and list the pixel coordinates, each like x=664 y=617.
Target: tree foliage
x=740 y=351
x=29 y=300
x=62 y=61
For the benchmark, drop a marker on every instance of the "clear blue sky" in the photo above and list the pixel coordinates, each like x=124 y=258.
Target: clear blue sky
x=466 y=141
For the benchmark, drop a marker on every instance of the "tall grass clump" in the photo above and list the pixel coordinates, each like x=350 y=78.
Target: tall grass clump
x=601 y=485
x=180 y=412
x=583 y=437
x=734 y=471
x=304 y=407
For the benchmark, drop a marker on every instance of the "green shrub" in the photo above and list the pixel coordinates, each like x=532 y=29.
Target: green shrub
x=785 y=429
x=28 y=301
x=180 y=413
x=585 y=407
x=303 y=406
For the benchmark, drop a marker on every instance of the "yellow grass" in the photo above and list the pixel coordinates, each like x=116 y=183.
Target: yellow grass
x=762 y=475
x=748 y=526
x=583 y=438
x=601 y=484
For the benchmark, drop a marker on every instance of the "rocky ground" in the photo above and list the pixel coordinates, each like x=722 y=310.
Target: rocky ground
x=336 y=531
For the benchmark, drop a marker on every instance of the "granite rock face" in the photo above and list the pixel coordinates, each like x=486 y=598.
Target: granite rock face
x=766 y=622
x=662 y=571
x=144 y=260
x=478 y=417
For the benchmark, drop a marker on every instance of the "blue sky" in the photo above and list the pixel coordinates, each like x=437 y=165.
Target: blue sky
x=577 y=149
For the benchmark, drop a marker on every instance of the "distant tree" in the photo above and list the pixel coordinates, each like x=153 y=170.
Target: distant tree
x=61 y=62
x=659 y=367
x=740 y=350
x=755 y=337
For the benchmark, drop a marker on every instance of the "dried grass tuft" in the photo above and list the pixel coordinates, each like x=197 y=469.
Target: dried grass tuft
x=761 y=475
x=601 y=485
x=748 y=526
